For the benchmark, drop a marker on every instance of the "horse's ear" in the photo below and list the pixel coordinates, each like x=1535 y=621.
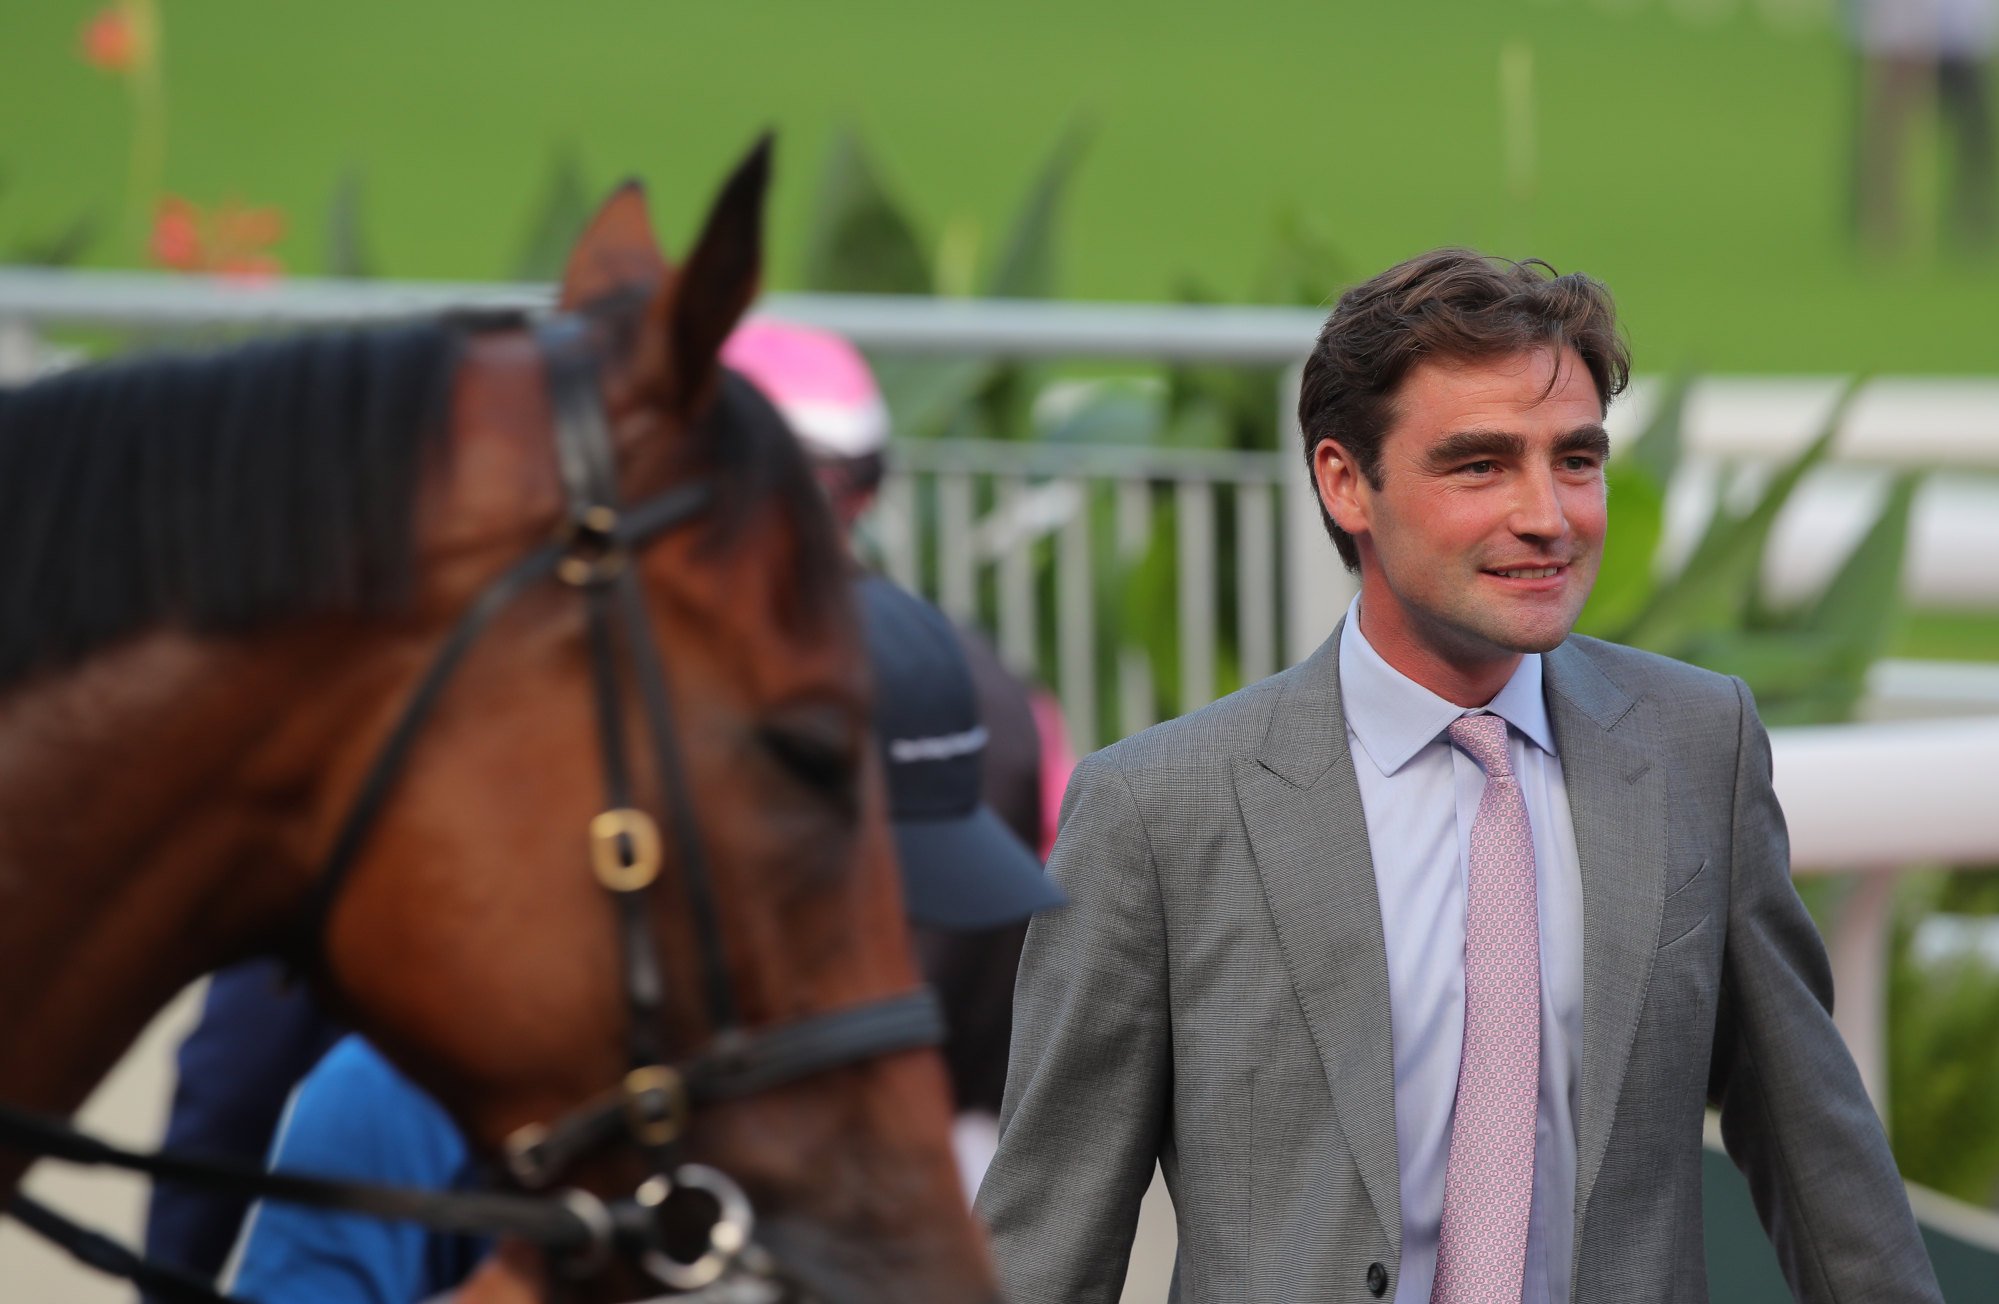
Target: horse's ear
x=617 y=251
x=714 y=288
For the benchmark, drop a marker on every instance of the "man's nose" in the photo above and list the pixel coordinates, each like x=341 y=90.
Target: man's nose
x=1537 y=508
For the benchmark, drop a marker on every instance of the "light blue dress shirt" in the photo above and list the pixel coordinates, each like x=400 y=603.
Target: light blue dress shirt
x=1420 y=795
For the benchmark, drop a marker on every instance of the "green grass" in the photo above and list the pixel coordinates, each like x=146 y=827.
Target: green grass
x=1699 y=169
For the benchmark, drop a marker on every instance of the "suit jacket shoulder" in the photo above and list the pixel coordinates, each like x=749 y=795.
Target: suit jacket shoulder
x=1210 y=738
x=1641 y=673
x=1693 y=717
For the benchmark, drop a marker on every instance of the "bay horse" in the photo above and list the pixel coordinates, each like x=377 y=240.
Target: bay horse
x=221 y=582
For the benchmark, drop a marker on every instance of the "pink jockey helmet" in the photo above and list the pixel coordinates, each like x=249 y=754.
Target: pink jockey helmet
x=818 y=381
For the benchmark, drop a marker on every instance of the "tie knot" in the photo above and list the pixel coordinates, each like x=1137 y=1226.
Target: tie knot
x=1483 y=738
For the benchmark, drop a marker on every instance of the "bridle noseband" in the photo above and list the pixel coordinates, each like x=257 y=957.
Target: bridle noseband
x=652 y=1107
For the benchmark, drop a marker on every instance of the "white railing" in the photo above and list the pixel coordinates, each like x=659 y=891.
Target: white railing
x=1870 y=799
x=955 y=513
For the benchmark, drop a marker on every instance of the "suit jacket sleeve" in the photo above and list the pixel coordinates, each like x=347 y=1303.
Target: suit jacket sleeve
x=1088 y=1078
x=1794 y=1115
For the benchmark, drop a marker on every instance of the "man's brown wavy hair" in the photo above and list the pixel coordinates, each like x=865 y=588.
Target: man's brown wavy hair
x=1451 y=304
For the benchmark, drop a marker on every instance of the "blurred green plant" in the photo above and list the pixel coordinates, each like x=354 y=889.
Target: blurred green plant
x=349 y=253
x=1943 y=1059
x=864 y=241
x=1807 y=663
x=560 y=213
x=63 y=247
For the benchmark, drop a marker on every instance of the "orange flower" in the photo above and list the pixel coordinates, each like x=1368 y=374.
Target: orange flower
x=233 y=240
x=177 y=241
x=111 y=40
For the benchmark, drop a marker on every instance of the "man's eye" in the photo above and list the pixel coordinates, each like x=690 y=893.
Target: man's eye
x=1481 y=468
x=1579 y=462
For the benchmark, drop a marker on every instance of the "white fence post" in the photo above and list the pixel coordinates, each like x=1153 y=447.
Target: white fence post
x=1134 y=663
x=1194 y=566
x=1858 y=946
x=957 y=587
x=1255 y=582
x=897 y=519
x=1019 y=638
x=20 y=351
x=1076 y=628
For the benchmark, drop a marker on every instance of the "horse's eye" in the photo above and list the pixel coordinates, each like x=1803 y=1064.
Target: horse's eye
x=821 y=757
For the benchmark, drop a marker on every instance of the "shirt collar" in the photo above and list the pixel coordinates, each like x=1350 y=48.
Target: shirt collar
x=1394 y=717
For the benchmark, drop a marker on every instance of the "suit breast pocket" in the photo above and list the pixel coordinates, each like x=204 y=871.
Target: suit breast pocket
x=1687 y=905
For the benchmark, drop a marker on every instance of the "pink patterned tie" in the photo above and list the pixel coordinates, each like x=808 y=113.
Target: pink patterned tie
x=1489 y=1183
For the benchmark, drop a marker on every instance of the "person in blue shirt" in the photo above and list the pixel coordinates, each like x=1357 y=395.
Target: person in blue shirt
x=356 y=1117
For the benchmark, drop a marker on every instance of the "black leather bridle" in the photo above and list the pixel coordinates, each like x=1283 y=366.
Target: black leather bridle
x=651 y=1109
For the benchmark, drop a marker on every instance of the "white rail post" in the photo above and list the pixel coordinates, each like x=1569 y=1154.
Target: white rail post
x=897 y=523
x=20 y=350
x=1076 y=635
x=1859 y=951
x=1194 y=549
x=1255 y=582
x=1134 y=661
x=956 y=580
x=1019 y=638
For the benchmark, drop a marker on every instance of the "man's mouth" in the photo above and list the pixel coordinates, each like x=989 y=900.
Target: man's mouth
x=1526 y=572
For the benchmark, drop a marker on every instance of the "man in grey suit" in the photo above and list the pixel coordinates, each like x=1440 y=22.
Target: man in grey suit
x=1415 y=965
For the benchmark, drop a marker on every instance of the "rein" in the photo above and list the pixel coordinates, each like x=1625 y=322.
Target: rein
x=653 y=1106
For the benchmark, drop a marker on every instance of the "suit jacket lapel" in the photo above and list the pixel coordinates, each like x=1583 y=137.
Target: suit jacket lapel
x=1617 y=800
x=1308 y=833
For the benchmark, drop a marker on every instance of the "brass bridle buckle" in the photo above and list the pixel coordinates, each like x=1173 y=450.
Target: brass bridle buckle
x=625 y=849
x=595 y=555
x=656 y=1105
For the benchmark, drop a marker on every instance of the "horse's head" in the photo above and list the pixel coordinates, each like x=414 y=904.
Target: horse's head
x=471 y=938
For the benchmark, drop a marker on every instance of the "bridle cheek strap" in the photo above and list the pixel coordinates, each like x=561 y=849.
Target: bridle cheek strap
x=617 y=618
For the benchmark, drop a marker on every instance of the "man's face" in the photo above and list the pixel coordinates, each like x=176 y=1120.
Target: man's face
x=1483 y=540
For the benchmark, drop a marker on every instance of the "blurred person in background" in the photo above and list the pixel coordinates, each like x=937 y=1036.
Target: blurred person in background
x=828 y=394
x=1915 y=55
x=260 y=1032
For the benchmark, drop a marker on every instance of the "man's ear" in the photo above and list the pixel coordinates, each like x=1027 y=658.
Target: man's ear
x=700 y=304
x=617 y=251
x=1343 y=491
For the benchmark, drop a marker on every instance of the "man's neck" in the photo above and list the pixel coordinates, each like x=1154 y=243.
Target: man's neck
x=1464 y=679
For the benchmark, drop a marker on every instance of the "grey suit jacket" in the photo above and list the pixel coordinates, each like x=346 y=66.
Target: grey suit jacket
x=1215 y=997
